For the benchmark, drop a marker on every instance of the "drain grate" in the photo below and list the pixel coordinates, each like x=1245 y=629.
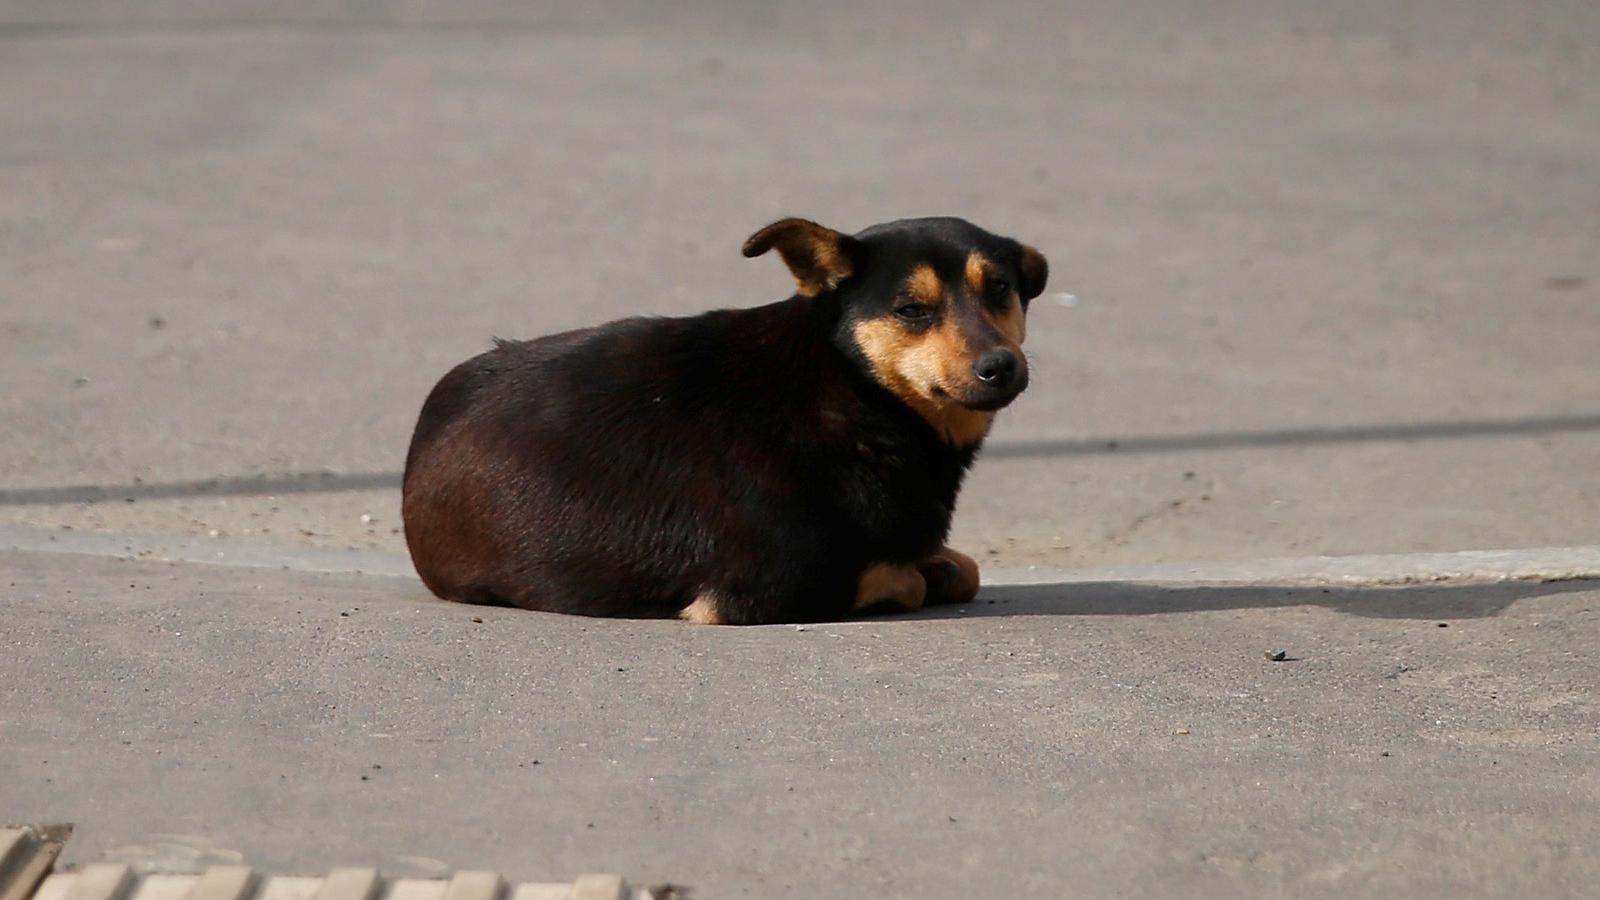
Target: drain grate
x=28 y=853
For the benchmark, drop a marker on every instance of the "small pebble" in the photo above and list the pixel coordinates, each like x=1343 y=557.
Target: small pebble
x=477 y=620
x=1277 y=655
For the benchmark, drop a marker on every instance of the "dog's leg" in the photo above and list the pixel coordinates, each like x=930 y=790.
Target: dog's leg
x=890 y=586
x=951 y=576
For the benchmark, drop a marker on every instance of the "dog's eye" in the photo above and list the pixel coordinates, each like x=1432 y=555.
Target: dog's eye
x=913 y=312
x=998 y=288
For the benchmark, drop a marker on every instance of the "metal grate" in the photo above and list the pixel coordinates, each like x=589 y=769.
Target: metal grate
x=26 y=856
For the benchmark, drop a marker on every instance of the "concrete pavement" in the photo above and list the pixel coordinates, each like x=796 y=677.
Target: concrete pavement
x=1097 y=739
x=1324 y=284
x=1333 y=264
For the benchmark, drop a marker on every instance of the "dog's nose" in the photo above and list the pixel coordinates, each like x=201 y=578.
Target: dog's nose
x=997 y=368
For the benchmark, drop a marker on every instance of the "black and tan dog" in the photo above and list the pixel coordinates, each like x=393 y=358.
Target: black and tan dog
x=793 y=462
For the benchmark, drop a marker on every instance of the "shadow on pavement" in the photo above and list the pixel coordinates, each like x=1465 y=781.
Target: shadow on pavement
x=246 y=486
x=1121 y=598
x=1297 y=437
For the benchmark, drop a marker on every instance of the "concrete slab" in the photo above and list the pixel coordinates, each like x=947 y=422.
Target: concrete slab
x=475 y=886
x=101 y=881
x=285 y=888
x=350 y=884
x=1052 y=740
x=1333 y=264
x=225 y=883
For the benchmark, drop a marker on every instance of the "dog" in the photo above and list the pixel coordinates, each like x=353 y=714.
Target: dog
x=792 y=462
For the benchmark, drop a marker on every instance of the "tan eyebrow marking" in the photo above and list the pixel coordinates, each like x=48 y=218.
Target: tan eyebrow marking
x=924 y=285
x=978 y=269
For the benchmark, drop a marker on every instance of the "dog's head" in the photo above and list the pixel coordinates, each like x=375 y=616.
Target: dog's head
x=932 y=309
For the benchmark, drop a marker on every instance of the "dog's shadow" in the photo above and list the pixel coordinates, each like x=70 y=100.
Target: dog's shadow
x=1129 y=598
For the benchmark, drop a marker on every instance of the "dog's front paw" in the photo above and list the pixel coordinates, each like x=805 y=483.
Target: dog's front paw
x=952 y=577
x=890 y=587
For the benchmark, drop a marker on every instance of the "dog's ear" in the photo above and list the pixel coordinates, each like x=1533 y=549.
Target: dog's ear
x=1035 y=272
x=819 y=257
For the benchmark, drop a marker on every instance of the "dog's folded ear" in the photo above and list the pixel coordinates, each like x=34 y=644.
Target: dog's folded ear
x=1035 y=272
x=819 y=257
